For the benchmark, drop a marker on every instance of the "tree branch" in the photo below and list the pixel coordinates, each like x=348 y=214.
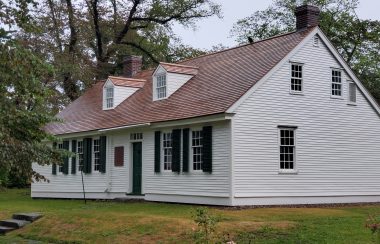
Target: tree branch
x=98 y=35
x=55 y=25
x=73 y=33
x=132 y=44
x=123 y=32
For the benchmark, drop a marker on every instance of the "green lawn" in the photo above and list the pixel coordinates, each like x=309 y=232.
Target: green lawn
x=70 y=221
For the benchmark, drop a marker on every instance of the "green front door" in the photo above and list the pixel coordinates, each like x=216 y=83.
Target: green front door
x=137 y=168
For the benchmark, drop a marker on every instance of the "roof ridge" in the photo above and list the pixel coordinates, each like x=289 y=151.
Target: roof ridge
x=243 y=45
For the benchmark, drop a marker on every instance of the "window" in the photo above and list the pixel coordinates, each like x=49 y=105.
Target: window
x=316 y=41
x=167 y=148
x=196 y=149
x=96 y=154
x=351 y=92
x=287 y=148
x=161 y=86
x=80 y=155
x=336 y=85
x=109 y=97
x=136 y=136
x=296 y=79
x=60 y=146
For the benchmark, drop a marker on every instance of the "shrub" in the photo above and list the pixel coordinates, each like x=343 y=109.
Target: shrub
x=373 y=223
x=206 y=225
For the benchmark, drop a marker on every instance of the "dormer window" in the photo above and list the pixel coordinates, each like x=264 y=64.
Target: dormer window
x=109 y=97
x=161 y=86
x=168 y=78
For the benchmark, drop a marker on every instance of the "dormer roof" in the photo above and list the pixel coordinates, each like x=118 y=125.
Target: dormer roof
x=126 y=82
x=179 y=68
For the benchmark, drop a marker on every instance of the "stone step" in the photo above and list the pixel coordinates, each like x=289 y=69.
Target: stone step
x=4 y=229
x=27 y=216
x=14 y=223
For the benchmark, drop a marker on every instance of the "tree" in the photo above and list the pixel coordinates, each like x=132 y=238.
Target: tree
x=87 y=40
x=23 y=107
x=357 y=40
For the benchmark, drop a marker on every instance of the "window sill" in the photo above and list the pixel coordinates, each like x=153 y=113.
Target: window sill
x=287 y=172
x=159 y=99
x=336 y=97
x=296 y=93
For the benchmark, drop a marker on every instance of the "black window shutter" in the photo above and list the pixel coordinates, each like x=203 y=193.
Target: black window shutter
x=103 y=153
x=157 y=151
x=185 y=150
x=74 y=158
x=87 y=155
x=207 y=149
x=65 y=167
x=176 y=150
x=54 y=166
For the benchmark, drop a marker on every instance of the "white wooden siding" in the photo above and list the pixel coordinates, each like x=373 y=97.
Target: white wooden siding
x=120 y=93
x=118 y=180
x=215 y=184
x=114 y=180
x=175 y=81
x=337 y=146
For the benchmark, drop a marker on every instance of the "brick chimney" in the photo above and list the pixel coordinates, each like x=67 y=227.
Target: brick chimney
x=307 y=16
x=132 y=65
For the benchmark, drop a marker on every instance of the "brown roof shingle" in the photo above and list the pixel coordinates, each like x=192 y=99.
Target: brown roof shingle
x=179 y=68
x=129 y=82
x=221 y=79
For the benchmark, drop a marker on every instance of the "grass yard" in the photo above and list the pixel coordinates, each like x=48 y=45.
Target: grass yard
x=70 y=221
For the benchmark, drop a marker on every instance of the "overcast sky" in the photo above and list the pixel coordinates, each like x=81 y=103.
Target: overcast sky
x=213 y=31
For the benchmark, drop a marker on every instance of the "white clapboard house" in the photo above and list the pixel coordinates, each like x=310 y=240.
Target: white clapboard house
x=278 y=121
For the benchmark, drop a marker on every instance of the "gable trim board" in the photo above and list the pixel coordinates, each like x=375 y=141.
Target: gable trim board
x=286 y=59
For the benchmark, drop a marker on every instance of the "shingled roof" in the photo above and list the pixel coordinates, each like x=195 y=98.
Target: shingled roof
x=127 y=82
x=221 y=79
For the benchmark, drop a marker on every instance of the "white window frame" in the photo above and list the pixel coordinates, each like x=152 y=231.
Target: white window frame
x=167 y=151
x=161 y=83
x=60 y=167
x=332 y=83
x=96 y=154
x=109 y=97
x=297 y=78
x=193 y=147
x=80 y=155
x=349 y=83
x=294 y=146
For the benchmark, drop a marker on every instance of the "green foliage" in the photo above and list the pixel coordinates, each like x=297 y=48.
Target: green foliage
x=24 y=112
x=88 y=40
x=357 y=40
x=206 y=226
x=373 y=223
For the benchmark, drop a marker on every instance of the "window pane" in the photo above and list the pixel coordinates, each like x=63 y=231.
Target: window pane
x=287 y=148
x=167 y=150
x=296 y=78
x=336 y=85
x=196 y=145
